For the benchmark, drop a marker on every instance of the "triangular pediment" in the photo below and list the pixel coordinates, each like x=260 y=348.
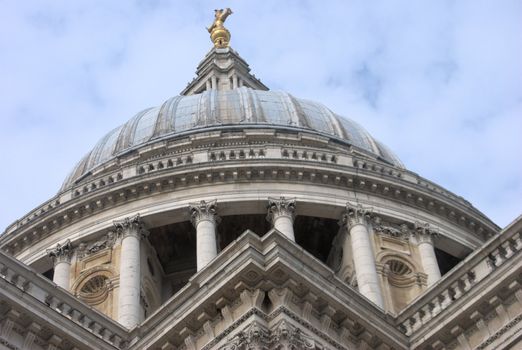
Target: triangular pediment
x=268 y=280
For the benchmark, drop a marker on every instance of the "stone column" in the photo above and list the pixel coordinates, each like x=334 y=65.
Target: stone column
x=204 y=218
x=129 y=309
x=355 y=218
x=427 y=252
x=281 y=213
x=61 y=256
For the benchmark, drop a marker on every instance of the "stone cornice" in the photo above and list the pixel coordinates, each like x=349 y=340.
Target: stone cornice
x=160 y=176
x=109 y=175
x=160 y=182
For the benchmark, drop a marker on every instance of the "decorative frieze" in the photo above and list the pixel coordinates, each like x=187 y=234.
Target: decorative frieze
x=383 y=227
x=107 y=241
x=283 y=337
x=85 y=204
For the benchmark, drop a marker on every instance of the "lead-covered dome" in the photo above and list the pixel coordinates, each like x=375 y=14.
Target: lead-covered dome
x=237 y=108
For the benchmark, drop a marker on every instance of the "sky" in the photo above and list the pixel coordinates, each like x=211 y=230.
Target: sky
x=439 y=82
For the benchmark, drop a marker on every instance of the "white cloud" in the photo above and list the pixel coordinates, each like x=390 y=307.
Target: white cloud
x=439 y=82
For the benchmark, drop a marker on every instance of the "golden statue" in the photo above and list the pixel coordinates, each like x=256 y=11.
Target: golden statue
x=220 y=35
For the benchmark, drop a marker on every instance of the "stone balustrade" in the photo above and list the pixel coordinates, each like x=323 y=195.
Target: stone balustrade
x=46 y=293
x=460 y=281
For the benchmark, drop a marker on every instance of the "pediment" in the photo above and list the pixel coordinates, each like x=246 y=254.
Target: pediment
x=268 y=280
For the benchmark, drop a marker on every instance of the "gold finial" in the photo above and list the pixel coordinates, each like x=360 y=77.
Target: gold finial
x=220 y=35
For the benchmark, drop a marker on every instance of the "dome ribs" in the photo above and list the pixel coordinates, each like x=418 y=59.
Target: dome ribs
x=167 y=112
x=232 y=108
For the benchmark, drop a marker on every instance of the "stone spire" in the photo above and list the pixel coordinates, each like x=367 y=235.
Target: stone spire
x=222 y=68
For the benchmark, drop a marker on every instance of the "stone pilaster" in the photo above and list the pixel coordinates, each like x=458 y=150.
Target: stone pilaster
x=61 y=256
x=204 y=218
x=355 y=219
x=281 y=213
x=424 y=235
x=131 y=231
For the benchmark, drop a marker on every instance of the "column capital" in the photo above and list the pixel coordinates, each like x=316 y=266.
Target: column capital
x=424 y=232
x=203 y=211
x=280 y=207
x=61 y=253
x=130 y=226
x=355 y=214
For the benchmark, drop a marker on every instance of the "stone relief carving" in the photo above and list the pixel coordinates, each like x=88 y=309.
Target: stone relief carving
x=106 y=241
x=390 y=229
x=287 y=337
x=283 y=337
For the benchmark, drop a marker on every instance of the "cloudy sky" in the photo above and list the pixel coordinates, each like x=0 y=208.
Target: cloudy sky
x=439 y=82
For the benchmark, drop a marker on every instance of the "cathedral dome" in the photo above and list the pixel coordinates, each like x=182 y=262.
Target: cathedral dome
x=231 y=210
x=239 y=108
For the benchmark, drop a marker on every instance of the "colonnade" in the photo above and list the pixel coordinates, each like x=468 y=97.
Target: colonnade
x=281 y=213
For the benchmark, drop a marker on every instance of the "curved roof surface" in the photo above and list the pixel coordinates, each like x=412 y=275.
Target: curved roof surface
x=239 y=107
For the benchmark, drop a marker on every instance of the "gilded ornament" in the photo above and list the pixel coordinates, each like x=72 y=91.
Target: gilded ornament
x=220 y=35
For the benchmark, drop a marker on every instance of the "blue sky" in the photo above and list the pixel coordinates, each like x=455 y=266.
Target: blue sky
x=439 y=82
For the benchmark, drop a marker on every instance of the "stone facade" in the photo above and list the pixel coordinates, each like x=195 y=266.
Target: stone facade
x=253 y=232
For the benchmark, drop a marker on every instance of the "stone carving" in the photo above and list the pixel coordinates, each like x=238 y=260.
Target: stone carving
x=287 y=337
x=389 y=229
x=62 y=252
x=130 y=226
x=280 y=207
x=355 y=214
x=283 y=337
x=253 y=337
x=106 y=241
x=203 y=211
x=424 y=232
